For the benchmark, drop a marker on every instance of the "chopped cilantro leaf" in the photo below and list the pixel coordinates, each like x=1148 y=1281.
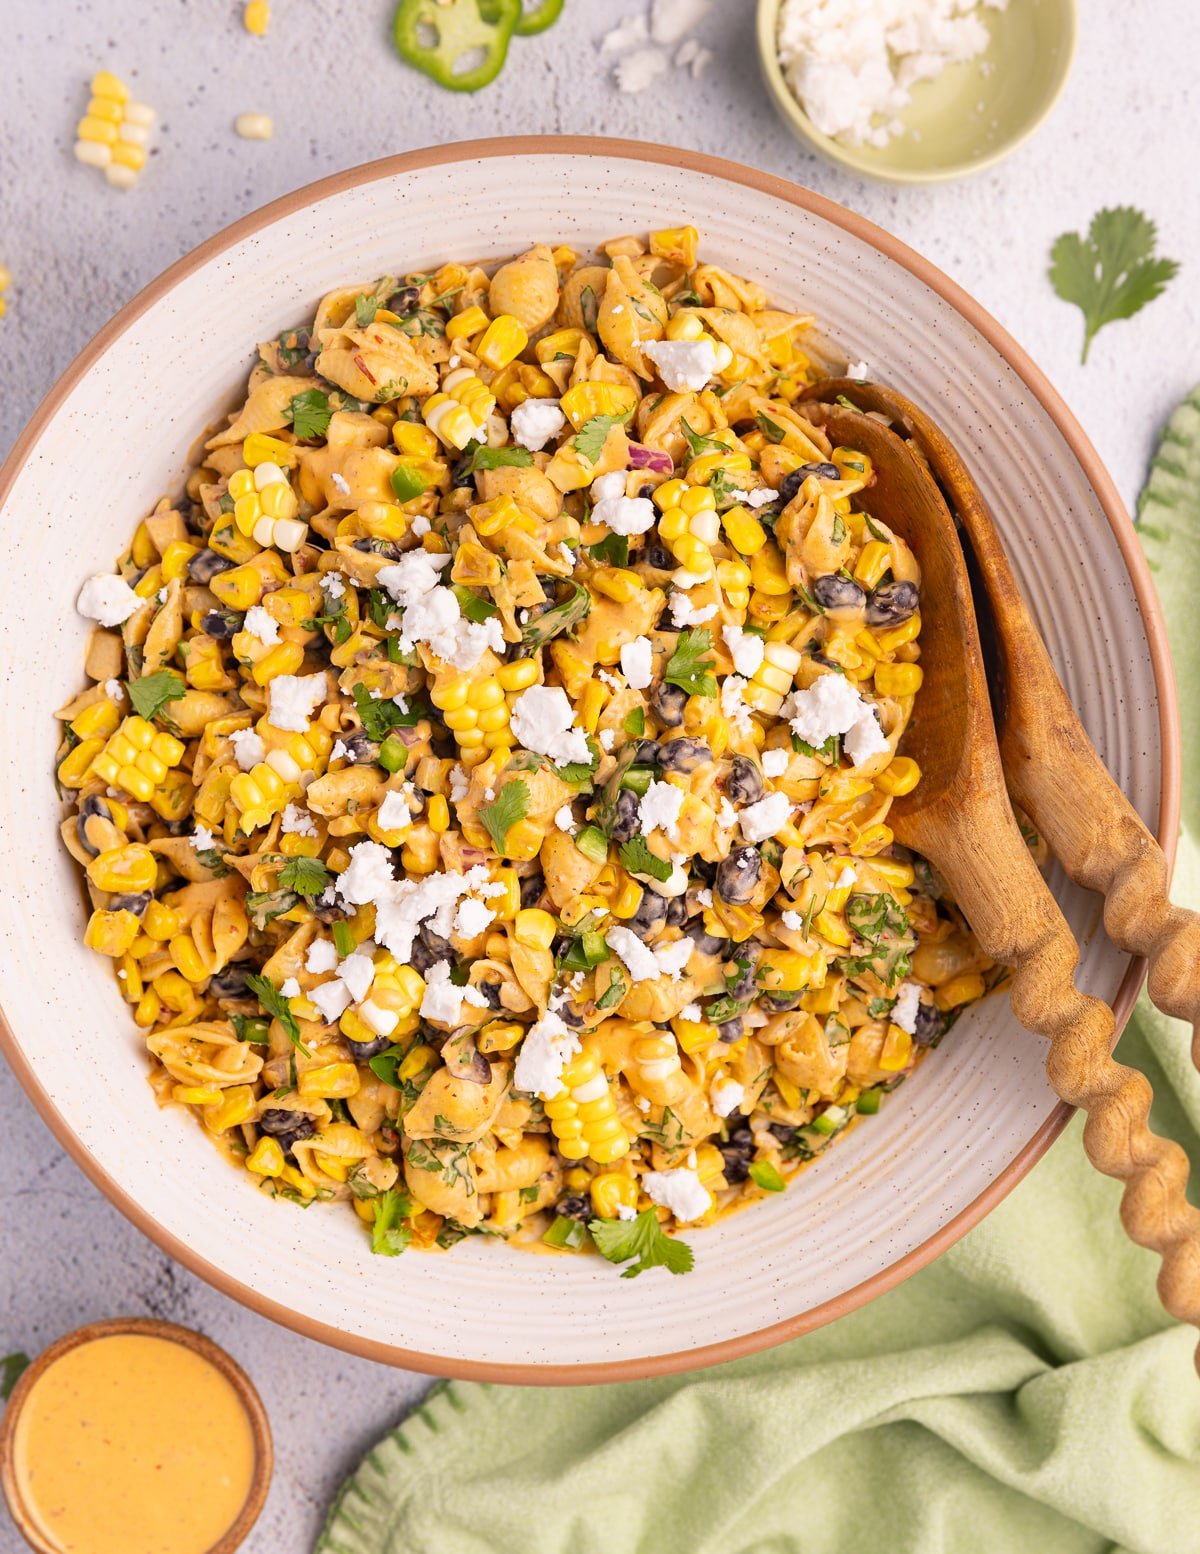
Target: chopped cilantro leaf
x=687 y=666
x=378 y=716
x=590 y=439
x=641 y=1242
x=613 y=550
x=499 y=458
x=638 y=859
x=276 y=1004
x=635 y=722
x=152 y=692
x=1112 y=273
x=615 y=992
x=306 y=876
x=388 y=1236
x=698 y=443
x=365 y=309
x=309 y=414
x=772 y=429
x=510 y=805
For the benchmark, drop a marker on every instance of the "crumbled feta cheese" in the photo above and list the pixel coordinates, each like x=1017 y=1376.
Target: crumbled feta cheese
x=331 y=998
x=367 y=876
x=542 y=719
x=625 y=1210
x=685 y=366
x=672 y=959
x=671 y=19
x=684 y=613
x=202 y=838
x=852 y=67
x=733 y=703
x=638 y=960
x=727 y=816
x=340 y=751
x=108 y=599
x=746 y=650
x=638 y=70
x=535 y=421
x=860 y=371
x=335 y=584
x=904 y=1011
x=357 y=971
x=421 y=526
x=394 y=814
x=659 y=808
x=762 y=497
x=488 y=795
x=431 y=613
x=864 y=740
x=792 y=921
x=846 y=878
x=625 y=35
x=726 y=1096
x=565 y=820
x=691 y=1012
x=294 y=699
x=261 y=625
x=625 y=514
x=829 y=706
x=114 y=690
x=637 y=663
x=693 y=53
x=606 y=738
x=545 y=1051
x=248 y=748
x=761 y=820
x=297 y=822
x=442 y=1001
x=322 y=956
x=704 y=898
x=569 y=558
x=680 y=1190
x=775 y=762
x=472 y=918
x=340 y=483
x=609 y=679
x=606 y=488
x=460 y=783
x=290 y=988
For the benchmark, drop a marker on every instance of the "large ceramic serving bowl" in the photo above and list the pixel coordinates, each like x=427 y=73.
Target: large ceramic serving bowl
x=112 y=437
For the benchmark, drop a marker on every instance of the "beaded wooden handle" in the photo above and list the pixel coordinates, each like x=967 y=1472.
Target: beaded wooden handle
x=1022 y=926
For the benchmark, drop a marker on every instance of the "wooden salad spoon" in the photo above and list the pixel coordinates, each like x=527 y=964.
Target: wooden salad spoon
x=959 y=817
x=1049 y=761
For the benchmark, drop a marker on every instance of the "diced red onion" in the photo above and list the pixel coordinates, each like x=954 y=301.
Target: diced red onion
x=641 y=457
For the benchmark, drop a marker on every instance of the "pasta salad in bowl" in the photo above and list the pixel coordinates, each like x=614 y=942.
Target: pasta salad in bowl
x=483 y=787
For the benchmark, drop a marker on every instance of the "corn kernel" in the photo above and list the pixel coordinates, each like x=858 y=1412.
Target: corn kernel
x=612 y=1190
x=898 y=679
x=503 y=341
x=266 y=1158
x=901 y=776
x=256 y=17
x=535 y=927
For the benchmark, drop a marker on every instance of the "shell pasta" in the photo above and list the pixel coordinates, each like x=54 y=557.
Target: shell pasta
x=483 y=779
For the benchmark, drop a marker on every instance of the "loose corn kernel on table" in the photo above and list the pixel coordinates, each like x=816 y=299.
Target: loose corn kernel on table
x=78 y=249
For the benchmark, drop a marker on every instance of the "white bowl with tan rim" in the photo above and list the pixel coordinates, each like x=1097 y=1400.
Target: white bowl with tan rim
x=112 y=437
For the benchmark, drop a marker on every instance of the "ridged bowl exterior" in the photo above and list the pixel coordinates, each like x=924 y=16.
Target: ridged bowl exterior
x=112 y=438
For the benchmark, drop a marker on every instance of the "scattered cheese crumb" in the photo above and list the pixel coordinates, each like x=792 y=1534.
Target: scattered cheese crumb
x=680 y=1190
x=545 y=1051
x=542 y=719
x=659 y=808
x=248 y=748
x=775 y=762
x=202 y=838
x=904 y=1011
x=684 y=613
x=293 y=700
x=290 y=988
x=637 y=959
x=746 y=650
x=261 y=625
x=298 y=822
x=322 y=956
x=394 y=813
x=108 y=599
x=565 y=820
x=472 y=918
x=640 y=69
x=761 y=820
x=637 y=663
x=535 y=421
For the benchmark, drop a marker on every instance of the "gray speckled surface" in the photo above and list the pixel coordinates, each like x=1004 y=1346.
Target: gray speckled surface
x=78 y=250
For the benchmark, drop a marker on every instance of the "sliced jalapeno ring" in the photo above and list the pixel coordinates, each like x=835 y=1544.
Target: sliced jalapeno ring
x=461 y=45
x=540 y=15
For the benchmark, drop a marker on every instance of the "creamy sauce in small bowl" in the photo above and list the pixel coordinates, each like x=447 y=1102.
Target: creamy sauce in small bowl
x=135 y=1437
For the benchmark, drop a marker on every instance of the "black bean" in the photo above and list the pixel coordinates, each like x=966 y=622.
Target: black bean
x=360 y=1051
x=834 y=592
x=287 y=1128
x=892 y=603
x=646 y=752
x=361 y=750
x=533 y=887
x=205 y=565
x=738 y=1151
x=731 y=1030
x=570 y=1016
x=744 y=785
x=461 y=473
x=738 y=876
x=780 y=1002
x=136 y=902
x=377 y=547
x=573 y=1206
x=326 y=912
x=624 y=822
x=490 y=991
x=783 y=1131
x=651 y=910
x=221 y=625
x=405 y=299
x=659 y=557
x=746 y=985
x=705 y=942
x=684 y=755
x=429 y=949
x=667 y=703
x=229 y=983
x=92 y=805
x=930 y=1024
x=677 y=911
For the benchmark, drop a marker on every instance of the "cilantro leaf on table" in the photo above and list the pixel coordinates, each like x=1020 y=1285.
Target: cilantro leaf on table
x=687 y=666
x=1112 y=273
x=510 y=805
x=152 y=692
x=276 y=1004
x=590 y=439
x=309 y=414
x=388 y=1236
x=306 y=876
x=643 y=1239
x=638 y=859
x=499 y=458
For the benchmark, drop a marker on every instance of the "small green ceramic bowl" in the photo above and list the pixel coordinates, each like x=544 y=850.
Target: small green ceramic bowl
x=971 y=116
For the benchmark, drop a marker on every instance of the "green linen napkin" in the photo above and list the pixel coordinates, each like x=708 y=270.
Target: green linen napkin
x=1024 y=1392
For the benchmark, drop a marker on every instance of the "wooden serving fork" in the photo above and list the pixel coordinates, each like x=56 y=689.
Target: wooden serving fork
x=960 y=818
x=1049 y=761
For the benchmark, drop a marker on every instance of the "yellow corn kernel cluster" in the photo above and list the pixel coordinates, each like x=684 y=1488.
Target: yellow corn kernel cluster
x=266 y=788
x=458 y=414
x=733 y=579
x=581 y=403
x=5 y=283
x=113 y=132
x=773 y=678
x=583 y=1116
x=265 y=506
x=390 y=1007
x=476 y=712
x=689 y=525
x=503 y=341
x=137 y=758
x=611 y=1191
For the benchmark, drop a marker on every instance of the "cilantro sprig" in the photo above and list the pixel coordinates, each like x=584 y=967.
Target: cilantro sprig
x=389 y=1237
x=309 y=414
x=499 y=458
x=510 y=805
x=591 y=437
x=380 y=715
x=152 y=692
x=638 y=859
x=687 y=666
x=642 y=1243
x=1113 y=272
x=306 y=876
x=276 y=1004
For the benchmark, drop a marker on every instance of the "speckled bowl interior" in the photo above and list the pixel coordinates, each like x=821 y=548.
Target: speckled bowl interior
x=113 y=437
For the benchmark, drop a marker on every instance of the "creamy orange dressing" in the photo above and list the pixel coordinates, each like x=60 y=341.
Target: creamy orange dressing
x=133 y=1445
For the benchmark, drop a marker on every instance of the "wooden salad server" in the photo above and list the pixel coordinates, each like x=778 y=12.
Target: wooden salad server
x=1051 y=766
x=960 y=818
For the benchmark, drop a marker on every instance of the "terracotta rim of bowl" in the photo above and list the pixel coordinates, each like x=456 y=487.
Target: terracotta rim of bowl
x=171 y=1332
x=1139 y=572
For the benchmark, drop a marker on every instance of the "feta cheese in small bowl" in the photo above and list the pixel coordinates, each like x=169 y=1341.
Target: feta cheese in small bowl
x=915 y=91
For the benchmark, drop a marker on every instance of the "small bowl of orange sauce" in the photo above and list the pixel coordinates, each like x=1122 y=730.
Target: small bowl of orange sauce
x=134 y=1436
